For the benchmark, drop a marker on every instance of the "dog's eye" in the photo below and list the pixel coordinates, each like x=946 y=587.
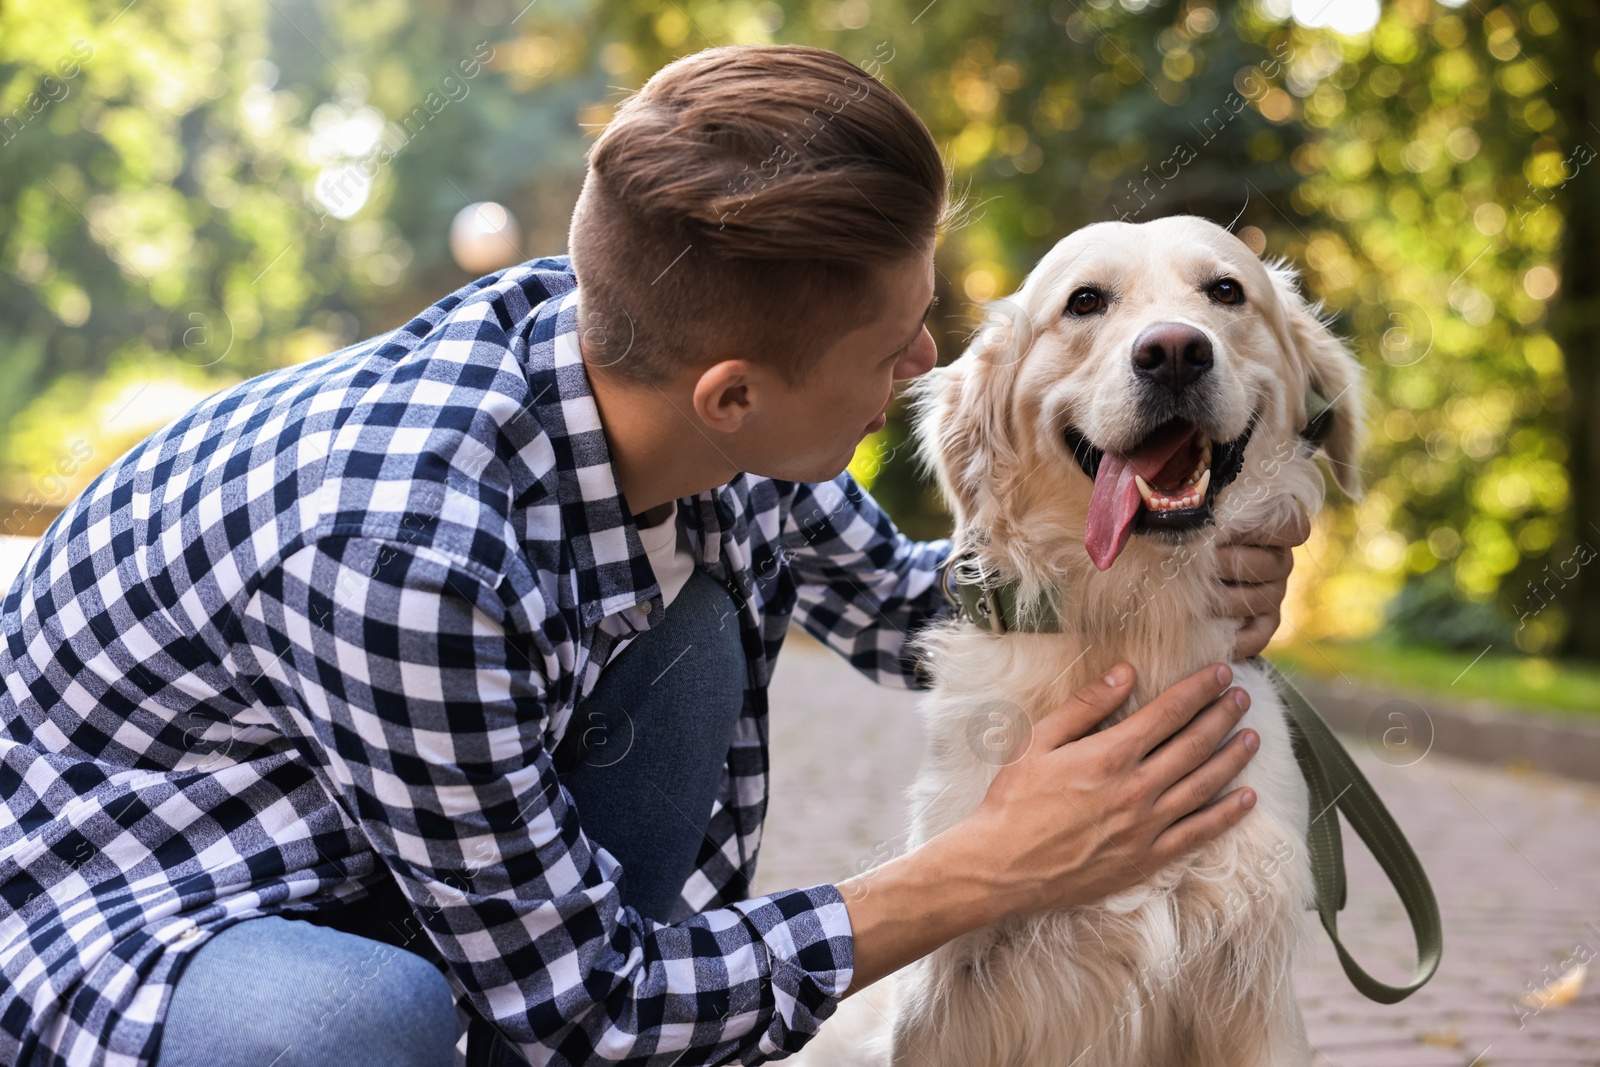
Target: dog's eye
x=1227 y=291
x=1086 y=301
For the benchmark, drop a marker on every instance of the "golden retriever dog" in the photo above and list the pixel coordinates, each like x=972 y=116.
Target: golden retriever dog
x=1139 y=402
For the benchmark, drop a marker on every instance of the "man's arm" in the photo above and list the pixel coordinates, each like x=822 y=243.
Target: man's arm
x=394 y=670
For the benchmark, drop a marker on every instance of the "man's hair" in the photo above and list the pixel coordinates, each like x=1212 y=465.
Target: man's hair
x=741 y=204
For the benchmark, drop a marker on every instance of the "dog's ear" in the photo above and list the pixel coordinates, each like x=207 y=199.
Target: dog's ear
x=963 y=420
x=1329 y=368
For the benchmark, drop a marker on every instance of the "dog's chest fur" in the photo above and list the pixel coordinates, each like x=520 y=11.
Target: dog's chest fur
x=1188 y=967
x=1192 y=967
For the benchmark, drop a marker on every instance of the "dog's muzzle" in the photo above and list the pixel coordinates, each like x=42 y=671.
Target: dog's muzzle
x=1182 y=495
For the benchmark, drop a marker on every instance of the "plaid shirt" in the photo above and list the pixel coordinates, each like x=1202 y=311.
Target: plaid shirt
x=332 y=622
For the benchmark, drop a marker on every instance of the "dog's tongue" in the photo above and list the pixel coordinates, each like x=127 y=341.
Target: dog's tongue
x=1116 y=501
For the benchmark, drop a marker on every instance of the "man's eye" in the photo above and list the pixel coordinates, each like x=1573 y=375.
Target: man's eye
x=1227 y=291
x=1086 y=301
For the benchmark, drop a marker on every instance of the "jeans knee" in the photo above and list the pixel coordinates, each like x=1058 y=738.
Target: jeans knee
x=406 y=1010
x=286 y=992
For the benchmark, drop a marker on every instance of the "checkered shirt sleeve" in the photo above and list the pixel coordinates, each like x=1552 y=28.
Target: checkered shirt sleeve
x=864 y=587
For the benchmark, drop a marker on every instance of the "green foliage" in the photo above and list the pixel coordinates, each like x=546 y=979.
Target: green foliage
x=149 y=217
x=1429 y=612
x=161 y=232
x=1433 y=229
x=193 y=193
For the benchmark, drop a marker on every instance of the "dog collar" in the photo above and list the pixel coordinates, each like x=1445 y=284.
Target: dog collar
x=991 y=603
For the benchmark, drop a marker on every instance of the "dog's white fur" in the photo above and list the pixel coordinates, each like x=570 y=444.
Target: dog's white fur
x=1193 y=966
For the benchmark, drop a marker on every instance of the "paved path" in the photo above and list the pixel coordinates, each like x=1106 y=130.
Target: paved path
x=1514 y=858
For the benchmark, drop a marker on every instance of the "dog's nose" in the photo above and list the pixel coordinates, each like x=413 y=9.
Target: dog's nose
x=1172 y=355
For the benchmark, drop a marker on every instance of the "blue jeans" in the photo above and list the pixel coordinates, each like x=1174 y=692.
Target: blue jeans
x=642 y=759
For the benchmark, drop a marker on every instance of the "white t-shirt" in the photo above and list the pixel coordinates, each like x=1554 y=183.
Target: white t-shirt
x=669 y=555
x=671 y=561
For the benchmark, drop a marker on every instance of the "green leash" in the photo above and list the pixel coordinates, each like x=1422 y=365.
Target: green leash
x=1332 y=779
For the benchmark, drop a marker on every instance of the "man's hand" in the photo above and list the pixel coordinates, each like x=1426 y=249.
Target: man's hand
x=1255 y=577
x=1081 y=815
x=1076 y=816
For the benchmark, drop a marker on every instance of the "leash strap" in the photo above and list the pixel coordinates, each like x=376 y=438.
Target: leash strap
x=1334 y=781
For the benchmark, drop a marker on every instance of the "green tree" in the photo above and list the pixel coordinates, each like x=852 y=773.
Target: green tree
x=1435 y=223
x=191 y=194
x=152 y=234
x=1574 y=56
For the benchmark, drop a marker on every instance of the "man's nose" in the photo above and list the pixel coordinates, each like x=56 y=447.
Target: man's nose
x=919 y=358
x=1171 y=355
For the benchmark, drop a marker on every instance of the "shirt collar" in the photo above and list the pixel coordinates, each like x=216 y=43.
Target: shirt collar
x=613 y=572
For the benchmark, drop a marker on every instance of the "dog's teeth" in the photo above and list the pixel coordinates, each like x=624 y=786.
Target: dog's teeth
x=1156 y=500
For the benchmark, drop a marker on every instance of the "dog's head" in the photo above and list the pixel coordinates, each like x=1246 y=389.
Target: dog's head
x=1146 y=379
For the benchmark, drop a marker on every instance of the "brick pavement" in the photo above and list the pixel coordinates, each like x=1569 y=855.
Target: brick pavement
x=1514 y=858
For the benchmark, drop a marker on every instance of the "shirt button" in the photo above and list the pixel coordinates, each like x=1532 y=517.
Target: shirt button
x=189 y=934
x=642 y=611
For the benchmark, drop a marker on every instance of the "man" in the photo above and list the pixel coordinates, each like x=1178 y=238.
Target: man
x=432 y=672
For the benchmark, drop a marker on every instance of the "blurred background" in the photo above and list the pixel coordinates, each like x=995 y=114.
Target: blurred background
x=194 y=193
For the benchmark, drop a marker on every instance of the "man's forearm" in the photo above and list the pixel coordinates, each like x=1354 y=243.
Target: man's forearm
x=906 y=908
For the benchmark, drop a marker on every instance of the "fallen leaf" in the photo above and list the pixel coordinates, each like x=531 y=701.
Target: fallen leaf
x=1561 y=991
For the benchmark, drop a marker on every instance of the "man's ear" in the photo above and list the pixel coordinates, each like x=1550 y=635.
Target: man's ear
x=721 y=394
x=1332 y=371
x=963 y=413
